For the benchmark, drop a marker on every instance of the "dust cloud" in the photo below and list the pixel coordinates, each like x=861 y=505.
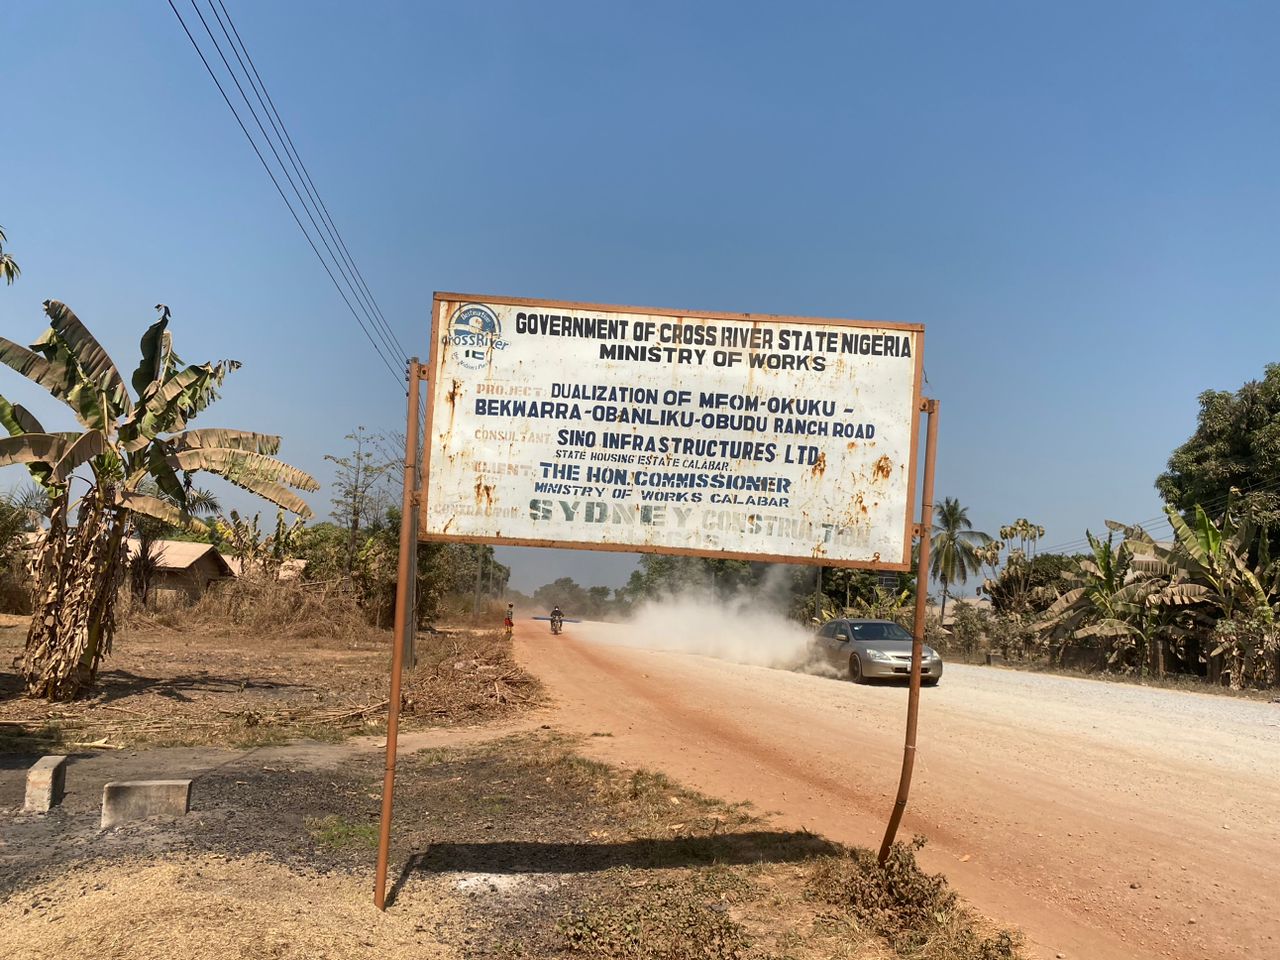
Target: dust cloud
x=747 y=628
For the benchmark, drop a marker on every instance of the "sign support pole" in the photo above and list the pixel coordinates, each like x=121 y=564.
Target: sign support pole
x=404 y=584
x=924 y=531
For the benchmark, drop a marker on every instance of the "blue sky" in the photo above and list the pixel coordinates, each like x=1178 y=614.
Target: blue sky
x=1079 y=201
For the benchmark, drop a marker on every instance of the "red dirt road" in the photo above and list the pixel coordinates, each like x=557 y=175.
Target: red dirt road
x=1109 y=822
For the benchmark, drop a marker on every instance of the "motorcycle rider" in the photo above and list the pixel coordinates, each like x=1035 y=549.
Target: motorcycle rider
x=557 y=618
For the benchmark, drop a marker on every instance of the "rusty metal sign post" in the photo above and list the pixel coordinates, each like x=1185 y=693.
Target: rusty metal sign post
x=779 y=439
x=404 y=626
x=924 y=533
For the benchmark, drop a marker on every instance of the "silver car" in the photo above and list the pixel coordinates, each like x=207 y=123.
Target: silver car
x=874 y=650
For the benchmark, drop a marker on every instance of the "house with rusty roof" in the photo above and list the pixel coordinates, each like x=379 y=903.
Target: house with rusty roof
x=183 y=569
x=290 y=569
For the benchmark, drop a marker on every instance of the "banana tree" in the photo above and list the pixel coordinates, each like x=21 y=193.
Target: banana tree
x=127 y=441
x=1226 y=565
x=1222 y=576
x=1104 y=601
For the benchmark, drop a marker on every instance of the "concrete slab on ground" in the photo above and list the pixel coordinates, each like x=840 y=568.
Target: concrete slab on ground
x=46 y=781
x=126 y=800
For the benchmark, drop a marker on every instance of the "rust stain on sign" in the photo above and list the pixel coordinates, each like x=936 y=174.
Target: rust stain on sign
x=484 y=494
x=883 y=468
x=819 y=466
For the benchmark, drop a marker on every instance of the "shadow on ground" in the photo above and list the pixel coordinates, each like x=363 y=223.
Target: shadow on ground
x=536 y=857
x=118 y=684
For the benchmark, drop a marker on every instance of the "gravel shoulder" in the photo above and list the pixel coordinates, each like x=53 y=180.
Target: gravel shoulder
x=1108 y=821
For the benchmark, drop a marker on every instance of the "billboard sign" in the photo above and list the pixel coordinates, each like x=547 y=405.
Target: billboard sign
x=588 y=426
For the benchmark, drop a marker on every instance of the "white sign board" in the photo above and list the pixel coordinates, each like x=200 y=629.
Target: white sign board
x=624 y=428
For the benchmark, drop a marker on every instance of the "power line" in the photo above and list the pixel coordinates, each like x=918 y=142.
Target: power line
x=304 y=176
x=276 y=183
x=1162 y=521
x=306 y=207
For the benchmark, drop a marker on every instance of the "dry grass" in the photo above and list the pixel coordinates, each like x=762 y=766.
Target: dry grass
x=163 y=686
x=647 y=869
x=268 y=608
x=916 y=913
x=206 y=681
x=468 y=675
x=211 y=908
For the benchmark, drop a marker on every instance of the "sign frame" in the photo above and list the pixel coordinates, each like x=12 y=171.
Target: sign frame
x=443 y=302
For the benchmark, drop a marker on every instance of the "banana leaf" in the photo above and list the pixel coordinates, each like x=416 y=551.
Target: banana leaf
x=151 y=368
x=17 y=419
x=87 y=446
x=94 y=362
x=51 y=376
x=32 y=448
x=161 y=510
x=216 y=438
x=182 y=395
x=242 y=463
x=277 y=494
x=160 y=467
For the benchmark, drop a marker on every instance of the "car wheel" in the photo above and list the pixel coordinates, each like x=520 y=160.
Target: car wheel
x=855 y=669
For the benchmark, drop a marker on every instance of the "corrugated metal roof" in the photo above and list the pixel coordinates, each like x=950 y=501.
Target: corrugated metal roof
x=291 y=569
x=181 y=554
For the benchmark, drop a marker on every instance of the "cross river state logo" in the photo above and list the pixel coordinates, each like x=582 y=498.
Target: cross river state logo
x=474 y=333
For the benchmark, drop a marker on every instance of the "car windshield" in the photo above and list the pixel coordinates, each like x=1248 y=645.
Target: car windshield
x=878 y=631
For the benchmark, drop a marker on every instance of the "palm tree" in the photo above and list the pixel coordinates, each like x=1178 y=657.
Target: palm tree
x=8 y=268
x=126 y=441
x=955 y=547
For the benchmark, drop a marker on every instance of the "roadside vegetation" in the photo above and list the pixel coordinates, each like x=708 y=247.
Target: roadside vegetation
x=81 y=544
x=1199 y=601
x=137 y=458
x=203 y=681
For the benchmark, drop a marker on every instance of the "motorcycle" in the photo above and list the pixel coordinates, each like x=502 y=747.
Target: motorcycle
x=557 y=624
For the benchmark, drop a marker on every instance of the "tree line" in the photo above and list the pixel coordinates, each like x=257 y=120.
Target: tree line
x=1200 y=600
